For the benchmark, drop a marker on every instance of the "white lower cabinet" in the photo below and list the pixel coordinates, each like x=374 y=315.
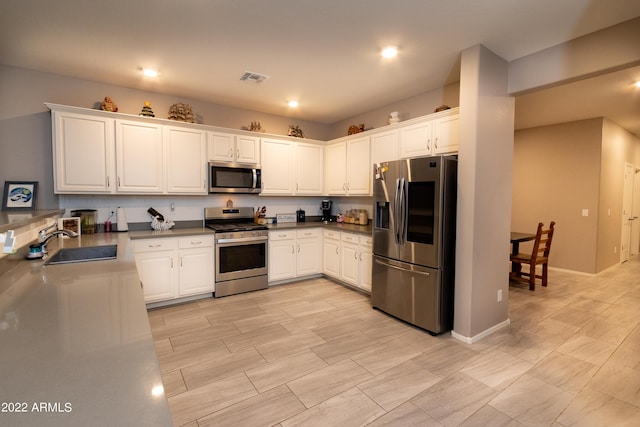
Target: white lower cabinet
x=331 y=253
x=308 y=252
x=282 y=255
x=348 y=257
x=294 y=253
x=175 y=267
x=365 y=260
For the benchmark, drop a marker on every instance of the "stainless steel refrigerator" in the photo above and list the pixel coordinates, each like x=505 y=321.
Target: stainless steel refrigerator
x=414 y=240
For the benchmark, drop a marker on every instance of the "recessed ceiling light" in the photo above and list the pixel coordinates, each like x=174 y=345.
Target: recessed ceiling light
x=389 y=52
x=637 y=84
x=293 y=104
x=149 y=72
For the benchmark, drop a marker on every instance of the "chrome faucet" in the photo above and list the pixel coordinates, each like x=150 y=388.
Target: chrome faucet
x=44 y=237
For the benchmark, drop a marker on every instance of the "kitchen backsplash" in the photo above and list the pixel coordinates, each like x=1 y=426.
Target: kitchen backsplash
x=187 y=208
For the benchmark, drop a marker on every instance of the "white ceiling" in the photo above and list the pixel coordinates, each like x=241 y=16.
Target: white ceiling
x=322 y=53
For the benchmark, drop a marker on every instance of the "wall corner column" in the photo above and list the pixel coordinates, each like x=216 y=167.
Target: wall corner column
x=485 y=164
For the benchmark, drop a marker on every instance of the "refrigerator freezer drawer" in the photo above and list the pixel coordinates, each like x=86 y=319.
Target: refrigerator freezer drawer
x=411 y=293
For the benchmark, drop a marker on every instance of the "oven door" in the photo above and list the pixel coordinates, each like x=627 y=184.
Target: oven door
x=239 y=258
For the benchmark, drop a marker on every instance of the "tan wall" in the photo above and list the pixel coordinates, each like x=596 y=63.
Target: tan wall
x=556 y=174
x=618 y=147
x=410 y=108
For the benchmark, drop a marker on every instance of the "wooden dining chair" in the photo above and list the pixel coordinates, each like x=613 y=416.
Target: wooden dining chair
x=538 y=256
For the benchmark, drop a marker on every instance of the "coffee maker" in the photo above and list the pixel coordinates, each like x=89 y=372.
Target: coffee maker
x=325 y=207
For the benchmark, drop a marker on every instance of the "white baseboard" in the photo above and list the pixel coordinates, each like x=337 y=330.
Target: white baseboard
x=478 y=337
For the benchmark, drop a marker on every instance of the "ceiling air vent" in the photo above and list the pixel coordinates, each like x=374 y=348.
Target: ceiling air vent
x=253 y=77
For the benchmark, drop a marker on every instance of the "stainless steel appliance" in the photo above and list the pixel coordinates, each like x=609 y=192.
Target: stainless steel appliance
x=234 y=178
x=325 y=207
x=414 y=240
x=241 y=250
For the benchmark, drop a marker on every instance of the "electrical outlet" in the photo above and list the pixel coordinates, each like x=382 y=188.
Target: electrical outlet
x=499 y=295
x=112 y=211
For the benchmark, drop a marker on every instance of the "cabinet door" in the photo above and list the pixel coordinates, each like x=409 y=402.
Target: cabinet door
x=282 y=259
x=349 y=265
x=247 y=149
x=447 y=134
x=158 y=274
x=359 y=167
x=83 y=149
x=309 y=169
x=336 y=168
x=331 y=257
x=139 y=157
x=220 y=146
x=309 y=252
x=186 y=160
x=366 y=264
x=415 y=140
x=277 y=166
x=196 y=271
x=384 y=147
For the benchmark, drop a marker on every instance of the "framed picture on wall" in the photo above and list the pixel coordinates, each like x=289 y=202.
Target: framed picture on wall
x=19 y=195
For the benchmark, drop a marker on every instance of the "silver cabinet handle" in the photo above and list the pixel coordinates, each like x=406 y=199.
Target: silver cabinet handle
x=199 y=242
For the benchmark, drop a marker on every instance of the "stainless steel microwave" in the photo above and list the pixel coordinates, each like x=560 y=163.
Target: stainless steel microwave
x=234 y=178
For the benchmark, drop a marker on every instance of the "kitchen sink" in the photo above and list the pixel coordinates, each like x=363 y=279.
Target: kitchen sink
x=83 y=254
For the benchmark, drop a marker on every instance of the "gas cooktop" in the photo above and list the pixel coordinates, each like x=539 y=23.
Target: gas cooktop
x=226 y=220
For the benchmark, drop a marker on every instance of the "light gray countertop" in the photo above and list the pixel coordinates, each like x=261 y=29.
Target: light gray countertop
x=76 y=343
x=352 y=228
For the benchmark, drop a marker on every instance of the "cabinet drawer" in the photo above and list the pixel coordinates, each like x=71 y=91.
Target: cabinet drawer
x=308 y=233
x=282 y=235
x=366 y=240
x=152 y=245
x=330 y=234
x=348 y=237
x=195 y=242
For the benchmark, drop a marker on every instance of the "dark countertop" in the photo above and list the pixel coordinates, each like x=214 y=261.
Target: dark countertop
x=76 y=339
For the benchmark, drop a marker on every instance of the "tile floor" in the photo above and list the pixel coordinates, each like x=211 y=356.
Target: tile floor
x=316 y=353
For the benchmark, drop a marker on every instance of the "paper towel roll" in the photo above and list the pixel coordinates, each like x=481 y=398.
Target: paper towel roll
x=121 y=220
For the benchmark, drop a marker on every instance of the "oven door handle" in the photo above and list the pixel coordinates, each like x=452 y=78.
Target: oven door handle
x=244 y=239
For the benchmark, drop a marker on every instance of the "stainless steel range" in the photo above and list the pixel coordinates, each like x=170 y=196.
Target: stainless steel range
x=241 y=250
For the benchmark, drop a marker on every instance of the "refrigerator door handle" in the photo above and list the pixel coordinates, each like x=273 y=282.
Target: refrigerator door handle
x=402 y=208
x=396 y=214
x=425 y=273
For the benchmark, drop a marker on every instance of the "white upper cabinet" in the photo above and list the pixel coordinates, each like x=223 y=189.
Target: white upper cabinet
x=359 y=166
x=277 y=162
x=416 y=140
x=348 y=167
x=186 y=156
x=447 y=134
x=83 y=153
x=335 y=173
x=99 y=152
x=291 y=167
x=430 y=135
x=384 y=146
x=227 y=147
x=309 y=167
x=139 y=151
